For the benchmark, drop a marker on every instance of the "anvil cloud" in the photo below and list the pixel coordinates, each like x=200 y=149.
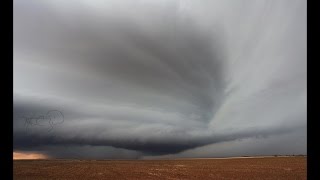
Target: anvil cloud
x=138 y=79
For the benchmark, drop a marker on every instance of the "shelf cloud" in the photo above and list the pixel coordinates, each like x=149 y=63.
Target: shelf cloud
x=135 y=79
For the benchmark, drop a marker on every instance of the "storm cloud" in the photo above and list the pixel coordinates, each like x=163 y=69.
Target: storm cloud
x=138 y=79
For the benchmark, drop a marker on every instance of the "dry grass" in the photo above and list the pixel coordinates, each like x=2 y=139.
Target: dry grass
x=242 y=168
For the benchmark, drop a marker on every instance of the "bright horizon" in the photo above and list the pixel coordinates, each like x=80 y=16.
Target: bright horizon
x=28 y=155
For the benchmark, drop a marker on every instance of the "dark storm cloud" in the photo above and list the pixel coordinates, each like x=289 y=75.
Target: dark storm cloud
x=176 y=60
x=160 y=77
x=36 y=137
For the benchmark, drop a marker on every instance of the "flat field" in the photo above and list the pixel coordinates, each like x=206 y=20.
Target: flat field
x=228 y=168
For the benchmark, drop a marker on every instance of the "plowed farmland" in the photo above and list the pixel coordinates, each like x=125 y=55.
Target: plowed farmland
x=230 y=168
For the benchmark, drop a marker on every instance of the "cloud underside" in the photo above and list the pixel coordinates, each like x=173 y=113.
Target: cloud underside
x=159 y=79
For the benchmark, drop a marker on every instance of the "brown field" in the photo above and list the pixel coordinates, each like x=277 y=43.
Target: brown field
x=237 y=168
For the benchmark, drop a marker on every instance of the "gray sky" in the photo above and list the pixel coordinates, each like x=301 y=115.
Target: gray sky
x=160 y=78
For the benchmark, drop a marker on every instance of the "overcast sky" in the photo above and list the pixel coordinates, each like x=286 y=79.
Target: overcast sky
x=160 y=78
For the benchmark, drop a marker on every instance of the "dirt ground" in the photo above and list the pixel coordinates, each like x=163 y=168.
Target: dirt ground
x=238 y=168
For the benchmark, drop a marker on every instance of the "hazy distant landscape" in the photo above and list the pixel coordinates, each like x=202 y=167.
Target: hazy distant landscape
x=231 y=168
